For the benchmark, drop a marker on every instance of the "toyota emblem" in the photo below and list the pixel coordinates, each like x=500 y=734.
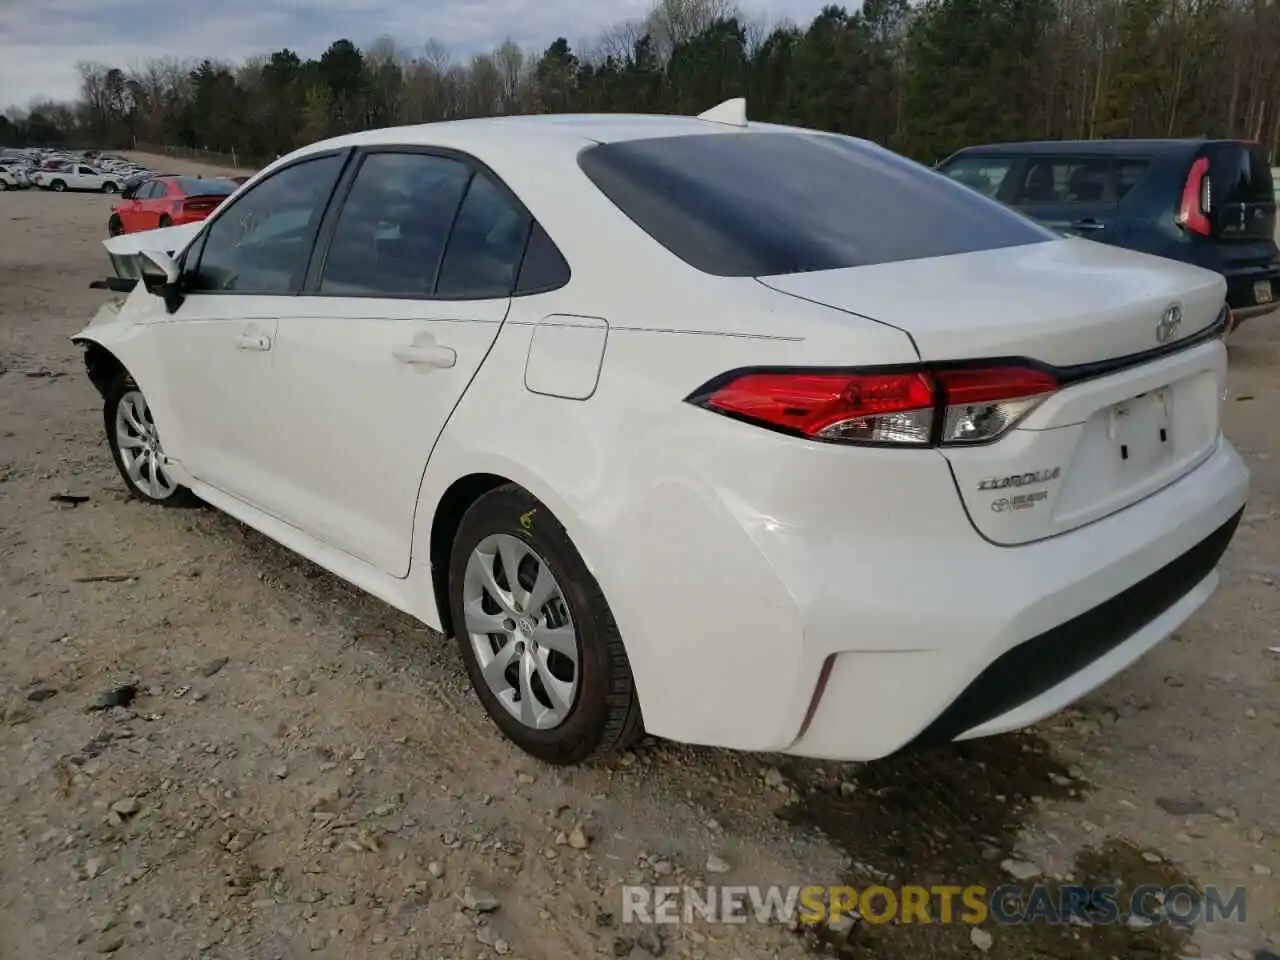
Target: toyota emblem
x=1169 y=323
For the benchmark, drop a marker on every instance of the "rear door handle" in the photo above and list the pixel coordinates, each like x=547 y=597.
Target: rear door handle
x=426 y=355
x=253 y=341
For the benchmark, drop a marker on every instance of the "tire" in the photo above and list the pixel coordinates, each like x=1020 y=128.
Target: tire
x=602 y=714
x=123 y=410
x=114 y=227
x=109 y=187
x=3 y=186
x=57 y=186
x=165 y=221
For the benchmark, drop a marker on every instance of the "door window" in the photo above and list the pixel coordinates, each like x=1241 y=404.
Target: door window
x=485 y=245
x=984 y=174
x=391 y=233
x=261 y=243
x=1065 y=180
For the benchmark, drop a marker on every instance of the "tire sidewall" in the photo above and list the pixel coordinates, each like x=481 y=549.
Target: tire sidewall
x=58 y=186
x=500 y=512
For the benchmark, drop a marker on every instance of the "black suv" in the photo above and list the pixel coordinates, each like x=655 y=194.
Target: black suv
x=1205 y=202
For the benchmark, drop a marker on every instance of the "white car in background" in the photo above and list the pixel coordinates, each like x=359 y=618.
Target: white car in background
x=740 y=434
x=78 y=176
x=13 y=177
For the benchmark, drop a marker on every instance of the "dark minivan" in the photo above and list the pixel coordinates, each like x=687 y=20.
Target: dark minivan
x=1206 y=202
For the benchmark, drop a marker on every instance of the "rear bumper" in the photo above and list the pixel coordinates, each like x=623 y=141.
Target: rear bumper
x=992 y=639
x=1242 y=293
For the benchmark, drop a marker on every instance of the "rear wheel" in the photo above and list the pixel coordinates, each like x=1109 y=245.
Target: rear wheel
x=136 y=448
x=536 y=634
x=57 y=186
x=108 y=187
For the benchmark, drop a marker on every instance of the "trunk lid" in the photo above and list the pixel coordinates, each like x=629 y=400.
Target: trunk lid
x=1061 y=302
x=1120 y=427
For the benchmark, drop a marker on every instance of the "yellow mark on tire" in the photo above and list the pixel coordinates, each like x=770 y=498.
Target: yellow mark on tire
x=526 y=519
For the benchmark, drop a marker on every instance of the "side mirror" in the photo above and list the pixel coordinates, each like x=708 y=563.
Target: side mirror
x=160 y=275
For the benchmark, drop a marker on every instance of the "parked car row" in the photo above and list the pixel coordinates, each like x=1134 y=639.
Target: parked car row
x=1211 y=203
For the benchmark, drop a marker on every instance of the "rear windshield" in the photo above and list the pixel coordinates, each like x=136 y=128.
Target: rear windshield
x=195 y=187
x=765 y=204
x=1240 y=173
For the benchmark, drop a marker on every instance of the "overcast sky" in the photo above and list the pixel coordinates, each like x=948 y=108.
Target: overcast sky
x=42 y=40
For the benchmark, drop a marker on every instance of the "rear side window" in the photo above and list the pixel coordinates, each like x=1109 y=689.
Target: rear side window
x=1064 y=180
x=394 y=223
x=484 y=248
x=1129 y=171
x=765 y=204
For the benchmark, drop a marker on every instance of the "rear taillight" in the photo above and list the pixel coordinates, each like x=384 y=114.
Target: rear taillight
x=1197 y=199
x=916 y=407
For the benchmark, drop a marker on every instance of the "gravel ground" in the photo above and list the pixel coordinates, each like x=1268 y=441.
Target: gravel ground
x=302 y=771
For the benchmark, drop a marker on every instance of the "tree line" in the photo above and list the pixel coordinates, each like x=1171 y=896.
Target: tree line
x=922 y=79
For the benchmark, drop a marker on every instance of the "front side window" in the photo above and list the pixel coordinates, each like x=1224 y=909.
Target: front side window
x=984 y=174
x=768 y=204
x=391 y=233
x=261 y=243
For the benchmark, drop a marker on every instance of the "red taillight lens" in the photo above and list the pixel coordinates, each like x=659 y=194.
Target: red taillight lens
x=1197 y=199
x=917 y=407
x=890 y=407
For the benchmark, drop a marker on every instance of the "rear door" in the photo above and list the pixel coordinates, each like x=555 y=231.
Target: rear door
x=410 y=284
x=1074 y=194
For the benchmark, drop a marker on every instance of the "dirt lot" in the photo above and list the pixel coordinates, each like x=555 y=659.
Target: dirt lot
x=304 y=772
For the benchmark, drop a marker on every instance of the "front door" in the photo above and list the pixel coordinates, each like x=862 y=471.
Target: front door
x=398 y=314
x=217 y=350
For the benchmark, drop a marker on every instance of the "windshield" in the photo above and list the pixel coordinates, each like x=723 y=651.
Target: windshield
x=765 y=204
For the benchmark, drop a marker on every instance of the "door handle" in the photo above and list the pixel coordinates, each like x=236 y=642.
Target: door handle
x=425 y=355
x=1088 y=225
x=253 y=341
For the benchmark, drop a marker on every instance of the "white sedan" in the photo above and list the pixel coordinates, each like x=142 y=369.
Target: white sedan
x=739 y=434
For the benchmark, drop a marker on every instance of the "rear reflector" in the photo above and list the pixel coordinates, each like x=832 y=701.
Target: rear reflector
x=916 y=407
x=1197 y=199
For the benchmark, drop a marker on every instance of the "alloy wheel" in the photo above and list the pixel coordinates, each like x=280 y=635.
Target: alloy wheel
x=521 y=631
x=140 y=451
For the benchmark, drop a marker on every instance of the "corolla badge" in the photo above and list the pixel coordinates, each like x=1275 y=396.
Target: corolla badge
x=1169 y=323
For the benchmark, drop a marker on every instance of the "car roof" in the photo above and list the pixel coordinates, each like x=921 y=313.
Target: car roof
x=570 y=129
x=1109 y=147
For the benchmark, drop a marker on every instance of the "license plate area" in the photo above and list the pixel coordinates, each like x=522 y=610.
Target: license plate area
x=1262 y=292
x=1141 y=430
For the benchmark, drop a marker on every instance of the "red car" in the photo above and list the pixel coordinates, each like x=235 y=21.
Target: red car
x=168 y=202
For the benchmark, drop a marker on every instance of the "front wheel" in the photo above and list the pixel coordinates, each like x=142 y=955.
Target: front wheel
x=115 y=227
x=165 y=221
x=536 y=634
x=136 y=448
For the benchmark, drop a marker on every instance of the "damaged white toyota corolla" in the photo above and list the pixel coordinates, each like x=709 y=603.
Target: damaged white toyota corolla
x=739 y=434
